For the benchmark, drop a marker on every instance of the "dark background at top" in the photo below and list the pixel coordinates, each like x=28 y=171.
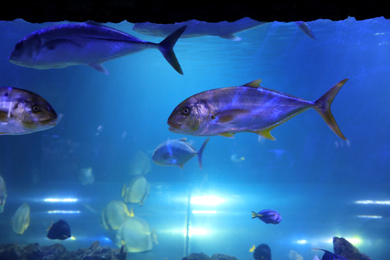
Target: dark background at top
x=177 y=11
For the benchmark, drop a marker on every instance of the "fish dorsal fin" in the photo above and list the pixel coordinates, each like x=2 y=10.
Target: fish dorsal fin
x=254 y=84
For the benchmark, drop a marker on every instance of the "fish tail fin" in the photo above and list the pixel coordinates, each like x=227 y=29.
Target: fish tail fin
x=252 y=249
x=166 y=48
x=200 y=152
x=322 y=106
x=154 y=237
x=254 y=214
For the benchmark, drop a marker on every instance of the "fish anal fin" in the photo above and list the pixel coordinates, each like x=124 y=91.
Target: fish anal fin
x=254 y=84
x=99 y=67
x=229 y=115
x=266 y=133
x=227 y=134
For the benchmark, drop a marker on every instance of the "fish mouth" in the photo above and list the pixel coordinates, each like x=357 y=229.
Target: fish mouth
x=173 y=125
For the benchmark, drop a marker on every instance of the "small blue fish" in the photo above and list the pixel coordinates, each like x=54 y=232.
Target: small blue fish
x=64 y=45
x=177 y=152
x=268 y=216
x=330 y=256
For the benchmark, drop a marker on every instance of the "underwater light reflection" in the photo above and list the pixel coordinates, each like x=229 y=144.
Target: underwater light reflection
x=61 y=200
x=373 y=202
x=206 y=200
x=63 y=212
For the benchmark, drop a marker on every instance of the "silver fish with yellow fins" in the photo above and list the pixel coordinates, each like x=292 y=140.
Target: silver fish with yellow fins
x=89 y=43
x=24 y=112
x=247 y=108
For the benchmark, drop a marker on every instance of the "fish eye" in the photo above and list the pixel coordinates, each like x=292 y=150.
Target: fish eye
x=35 y=108
x=186 y=111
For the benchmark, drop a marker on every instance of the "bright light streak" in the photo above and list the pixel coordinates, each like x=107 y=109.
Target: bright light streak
x=63 y=212
x=206 y=200
x=204 y=212
x=302 y=242
x=196 y=231
x=370 y=216
x=64 y=200
x=373 y=202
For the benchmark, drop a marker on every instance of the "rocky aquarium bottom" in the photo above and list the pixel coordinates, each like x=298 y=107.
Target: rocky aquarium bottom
x=342 y=250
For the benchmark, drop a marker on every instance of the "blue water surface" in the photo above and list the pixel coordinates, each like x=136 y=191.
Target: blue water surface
x=322 y=185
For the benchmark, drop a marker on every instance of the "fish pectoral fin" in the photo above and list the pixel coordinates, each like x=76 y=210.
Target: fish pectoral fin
x=227 y=134
x=229 y=115
x=4 y=116
x=266 y=133
x=52 y=45
x=99 y=67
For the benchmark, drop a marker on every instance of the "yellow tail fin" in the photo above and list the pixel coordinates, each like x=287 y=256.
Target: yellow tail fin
x=252 y=248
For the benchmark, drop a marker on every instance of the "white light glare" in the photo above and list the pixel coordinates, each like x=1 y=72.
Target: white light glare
x=64 y=200
x=302 y=241
x=206 y=200
x=204 y=212
x=373 y=202
x=196 y=231
x=370 y=216
x=63 y=212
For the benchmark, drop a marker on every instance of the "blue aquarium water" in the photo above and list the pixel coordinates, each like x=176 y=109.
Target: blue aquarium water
x=322 y=186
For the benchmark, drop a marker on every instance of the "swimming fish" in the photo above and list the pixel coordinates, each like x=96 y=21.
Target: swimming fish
x=86 y=176
x=24 y=112
x=195 y=28
x=136 y=236
x=114 y=214
x=247 y=108
x=59 y=230
x=261 y=252
x=177 y=152
x=330 y=256
x=3 y=194
x=137 y=191
x=268 y=216
x=140 y=164
x=21 y=219
x=306 y=29
x=64 y=45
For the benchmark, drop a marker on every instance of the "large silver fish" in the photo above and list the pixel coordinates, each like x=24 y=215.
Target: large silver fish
x=24 y=112
x=64 y=45
x=247 y=108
